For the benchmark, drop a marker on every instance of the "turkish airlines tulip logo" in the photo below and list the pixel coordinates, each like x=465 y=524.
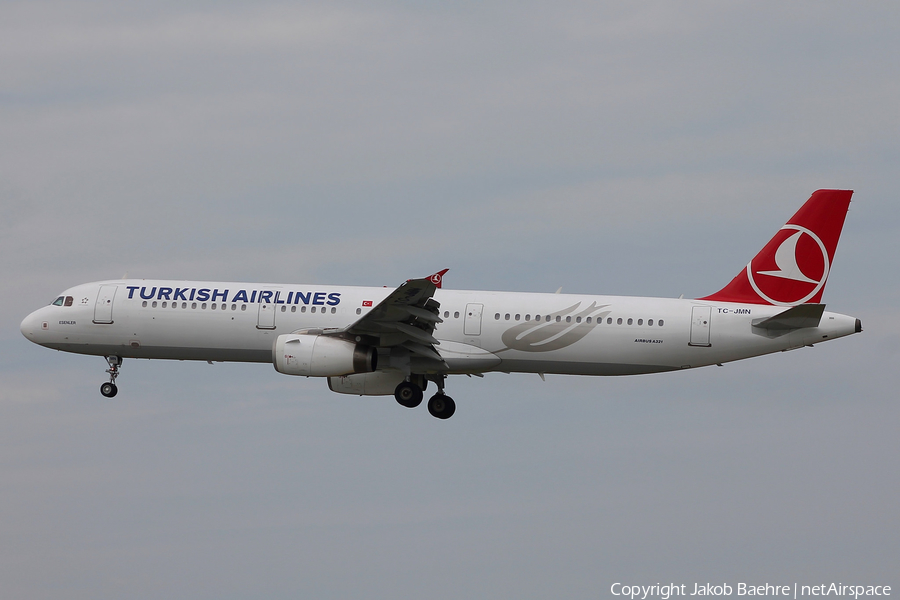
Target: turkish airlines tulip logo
x=555 y=330
x=795 y=272
x=436 y=279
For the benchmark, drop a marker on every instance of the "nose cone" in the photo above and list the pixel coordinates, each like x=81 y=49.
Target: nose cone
x=30 y=326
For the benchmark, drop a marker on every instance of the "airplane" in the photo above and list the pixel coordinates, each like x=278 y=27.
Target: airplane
x=381 y=341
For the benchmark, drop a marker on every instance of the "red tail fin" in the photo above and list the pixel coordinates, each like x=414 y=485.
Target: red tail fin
x=793 y=267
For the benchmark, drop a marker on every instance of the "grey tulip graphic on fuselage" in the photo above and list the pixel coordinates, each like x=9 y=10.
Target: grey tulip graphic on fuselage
x=544 y=336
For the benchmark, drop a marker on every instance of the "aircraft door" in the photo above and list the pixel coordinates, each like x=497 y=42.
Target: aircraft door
x=103 y=307
x=266 y=319
x=700 y=317
x=472 y=325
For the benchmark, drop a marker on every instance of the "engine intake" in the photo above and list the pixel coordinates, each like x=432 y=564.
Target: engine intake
x=321 y=356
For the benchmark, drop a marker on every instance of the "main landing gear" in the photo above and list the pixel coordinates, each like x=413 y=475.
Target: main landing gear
x=410 y=393
x=109 y=389
x=441 y=406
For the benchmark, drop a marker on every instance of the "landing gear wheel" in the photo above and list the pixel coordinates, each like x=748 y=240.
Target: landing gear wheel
x=109 y=389
x=408 y=394
x=441 y=406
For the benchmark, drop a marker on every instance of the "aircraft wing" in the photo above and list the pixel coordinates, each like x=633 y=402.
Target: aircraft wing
x=406 y=318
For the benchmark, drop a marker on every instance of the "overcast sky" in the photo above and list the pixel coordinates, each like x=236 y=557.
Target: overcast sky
x=629 y=148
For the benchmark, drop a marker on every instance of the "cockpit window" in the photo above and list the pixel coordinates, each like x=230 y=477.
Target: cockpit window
x=58 y=301
x=68 y=301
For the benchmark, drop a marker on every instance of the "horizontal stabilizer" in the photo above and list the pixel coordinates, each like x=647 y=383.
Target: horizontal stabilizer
x=797 y=317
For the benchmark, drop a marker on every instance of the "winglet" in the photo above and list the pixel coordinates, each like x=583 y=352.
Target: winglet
x=437 y=278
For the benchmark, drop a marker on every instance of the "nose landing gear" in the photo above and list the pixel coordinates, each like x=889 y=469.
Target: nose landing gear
x=109 y=389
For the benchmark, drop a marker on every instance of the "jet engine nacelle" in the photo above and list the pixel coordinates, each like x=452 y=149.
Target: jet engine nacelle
x=321 y=356
x=379 y=383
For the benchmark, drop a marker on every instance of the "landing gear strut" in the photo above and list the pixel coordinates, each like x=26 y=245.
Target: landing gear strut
x=109 y=389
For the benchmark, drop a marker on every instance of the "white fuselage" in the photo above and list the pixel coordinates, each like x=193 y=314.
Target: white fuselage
x=481 y=330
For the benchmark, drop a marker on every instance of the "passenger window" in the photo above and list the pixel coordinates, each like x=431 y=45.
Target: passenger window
x=193 y=305
x=640 y=321
x=558 y=318
x=568 y=319
x=619 y=321
x=58 y=301
x=446 y=314
x=650 y=322
x=527 y=317
x=303 y=309
x=517 y=316
x=69 y=301
x=537 y=317
x=630 y=320
x=234 y=307
x=313 y=309
x=154 y=304
x=578 y=319
x=203 y=306
x=165 y=305
x=144 y=304
x=497 y=317
x=609 y=321
x=334 y=310
x=456 y=315
x=359 y=311
x=284 y=309
x=506 y=317
x=588 y=320
x=660 y=322
x=243 y=307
